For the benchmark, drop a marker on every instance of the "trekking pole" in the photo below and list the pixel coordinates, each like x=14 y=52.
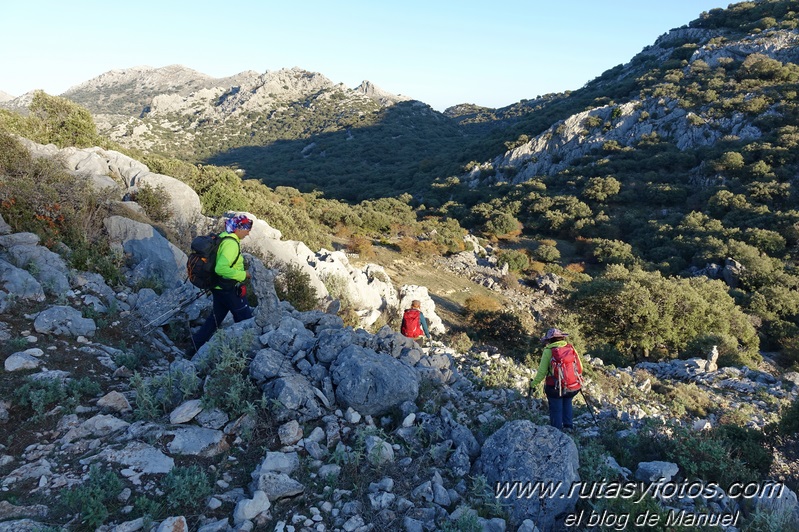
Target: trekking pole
x=169 y=313
x=590 y=408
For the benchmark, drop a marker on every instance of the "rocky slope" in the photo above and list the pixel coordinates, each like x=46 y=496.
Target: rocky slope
x=626 y=123
x=291 y=421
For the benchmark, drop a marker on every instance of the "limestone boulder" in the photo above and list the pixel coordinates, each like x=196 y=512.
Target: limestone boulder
x=372 y=383
x=524 y=452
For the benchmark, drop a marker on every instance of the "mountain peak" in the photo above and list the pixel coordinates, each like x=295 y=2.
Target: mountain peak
x=384 y=98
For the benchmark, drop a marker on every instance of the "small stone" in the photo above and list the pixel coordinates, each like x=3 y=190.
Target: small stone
x=290 y=433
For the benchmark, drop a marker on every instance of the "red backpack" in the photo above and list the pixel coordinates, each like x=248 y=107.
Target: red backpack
x=410 y=324
x=565 y=370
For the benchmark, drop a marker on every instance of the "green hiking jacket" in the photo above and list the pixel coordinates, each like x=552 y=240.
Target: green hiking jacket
x=227 y=265
x=546 y=357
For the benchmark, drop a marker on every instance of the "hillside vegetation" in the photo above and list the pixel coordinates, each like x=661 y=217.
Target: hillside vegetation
x=662 y=192
x=652 y=214
x=678 y=164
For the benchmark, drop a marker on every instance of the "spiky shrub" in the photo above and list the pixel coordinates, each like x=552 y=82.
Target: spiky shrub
x=43 y=394
x=186 y=487
x=162 y=393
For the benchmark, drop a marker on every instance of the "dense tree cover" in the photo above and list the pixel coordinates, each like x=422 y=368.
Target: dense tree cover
x=642 y=314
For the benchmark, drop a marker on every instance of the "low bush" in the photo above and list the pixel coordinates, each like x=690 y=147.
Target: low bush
x=293 y=284
x=186 y=487
x=43 y=394
x=38 y=196
x=501 y=328
x=155 y=202
x=481 y=303
x=163 y=393
x=92 y=499
x=228 y=385
x=724 y=455
x=789 y=422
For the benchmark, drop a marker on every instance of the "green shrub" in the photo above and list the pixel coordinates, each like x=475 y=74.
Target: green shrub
x=640 y=312
x=55 y=120
x=228 y=385
x=92 y=498
x=293 y=284
x=789 y=422
x=162 y=393
x=723 y=455
x=155 y=202
x=502 y=328
x=685 y=399
x=37 y=196
x=546 y=253
x=186 y=488
x=460 y=342
x=517 y=261
x=44 y=394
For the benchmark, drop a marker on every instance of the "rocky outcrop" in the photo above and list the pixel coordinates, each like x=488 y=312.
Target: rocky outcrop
x=522 y=452
x=625 y=124
x=370 y=383
x=377 y=94
x=152 y=258
x=48 y=268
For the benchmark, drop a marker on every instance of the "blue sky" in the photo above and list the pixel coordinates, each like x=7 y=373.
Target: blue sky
x=445 y=52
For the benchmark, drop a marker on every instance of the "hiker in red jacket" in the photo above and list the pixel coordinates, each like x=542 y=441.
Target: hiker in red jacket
x=414 y=325
x=562 y=368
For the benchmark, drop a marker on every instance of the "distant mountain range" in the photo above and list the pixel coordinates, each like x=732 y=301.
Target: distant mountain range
x=297 y=128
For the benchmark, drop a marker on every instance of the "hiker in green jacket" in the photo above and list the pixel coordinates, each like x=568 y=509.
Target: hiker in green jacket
x=561 y=388
x=229 y=294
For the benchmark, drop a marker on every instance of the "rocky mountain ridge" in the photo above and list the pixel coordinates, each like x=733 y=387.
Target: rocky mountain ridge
x=626 y=123
x=141 y=107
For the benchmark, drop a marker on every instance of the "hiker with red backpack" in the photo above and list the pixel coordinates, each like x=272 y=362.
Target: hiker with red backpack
x=414 y=325
x=561 y=367
x=227 y=289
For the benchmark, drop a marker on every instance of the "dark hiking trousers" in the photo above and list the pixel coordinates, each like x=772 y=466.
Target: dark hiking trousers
x=561 y=413
x=225 y=300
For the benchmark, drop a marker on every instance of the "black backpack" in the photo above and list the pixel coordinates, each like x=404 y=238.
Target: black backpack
x=202 y=261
